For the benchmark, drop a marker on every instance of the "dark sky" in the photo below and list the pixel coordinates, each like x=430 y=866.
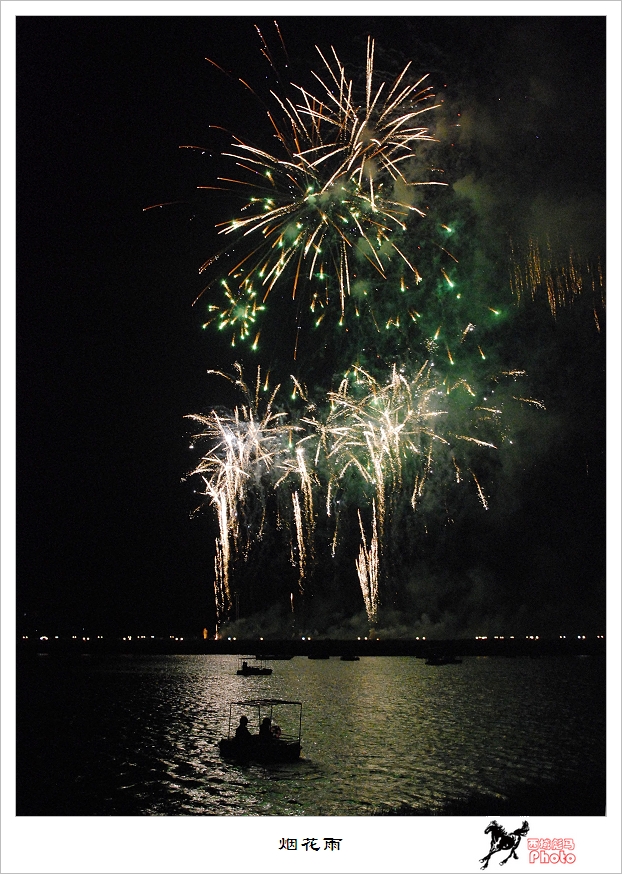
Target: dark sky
x=110 y=352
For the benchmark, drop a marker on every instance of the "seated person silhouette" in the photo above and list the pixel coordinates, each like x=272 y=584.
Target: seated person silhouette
x=242 y=734
x=265 y=729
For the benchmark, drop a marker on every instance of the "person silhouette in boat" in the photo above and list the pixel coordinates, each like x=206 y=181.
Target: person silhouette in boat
x=265 y=729
x=242 y=734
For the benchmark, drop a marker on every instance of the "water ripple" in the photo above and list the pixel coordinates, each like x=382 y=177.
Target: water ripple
x=138 y=736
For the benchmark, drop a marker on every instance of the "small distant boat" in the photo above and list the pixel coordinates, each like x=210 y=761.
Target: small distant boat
x=281 y=744
x=442 y=659
x=259 y=670
x=350 y=657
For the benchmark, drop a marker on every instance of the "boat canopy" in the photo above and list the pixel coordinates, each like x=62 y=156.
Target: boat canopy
x=267 y=704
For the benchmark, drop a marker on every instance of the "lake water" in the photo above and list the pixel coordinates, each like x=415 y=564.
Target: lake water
x=134 y=735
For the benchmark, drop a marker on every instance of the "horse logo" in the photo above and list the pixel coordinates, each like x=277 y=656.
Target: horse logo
x=501 y=840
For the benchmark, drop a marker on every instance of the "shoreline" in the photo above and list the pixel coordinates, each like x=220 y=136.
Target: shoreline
x=505 y=647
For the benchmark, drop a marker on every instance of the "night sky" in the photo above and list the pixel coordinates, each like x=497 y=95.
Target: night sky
x=110 y=351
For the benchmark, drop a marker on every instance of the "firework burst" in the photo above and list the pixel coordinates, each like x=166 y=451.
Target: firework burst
x=375 y=428
x=253 y=451
x=324 y=219
x=329 y=200
x=378 y=441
